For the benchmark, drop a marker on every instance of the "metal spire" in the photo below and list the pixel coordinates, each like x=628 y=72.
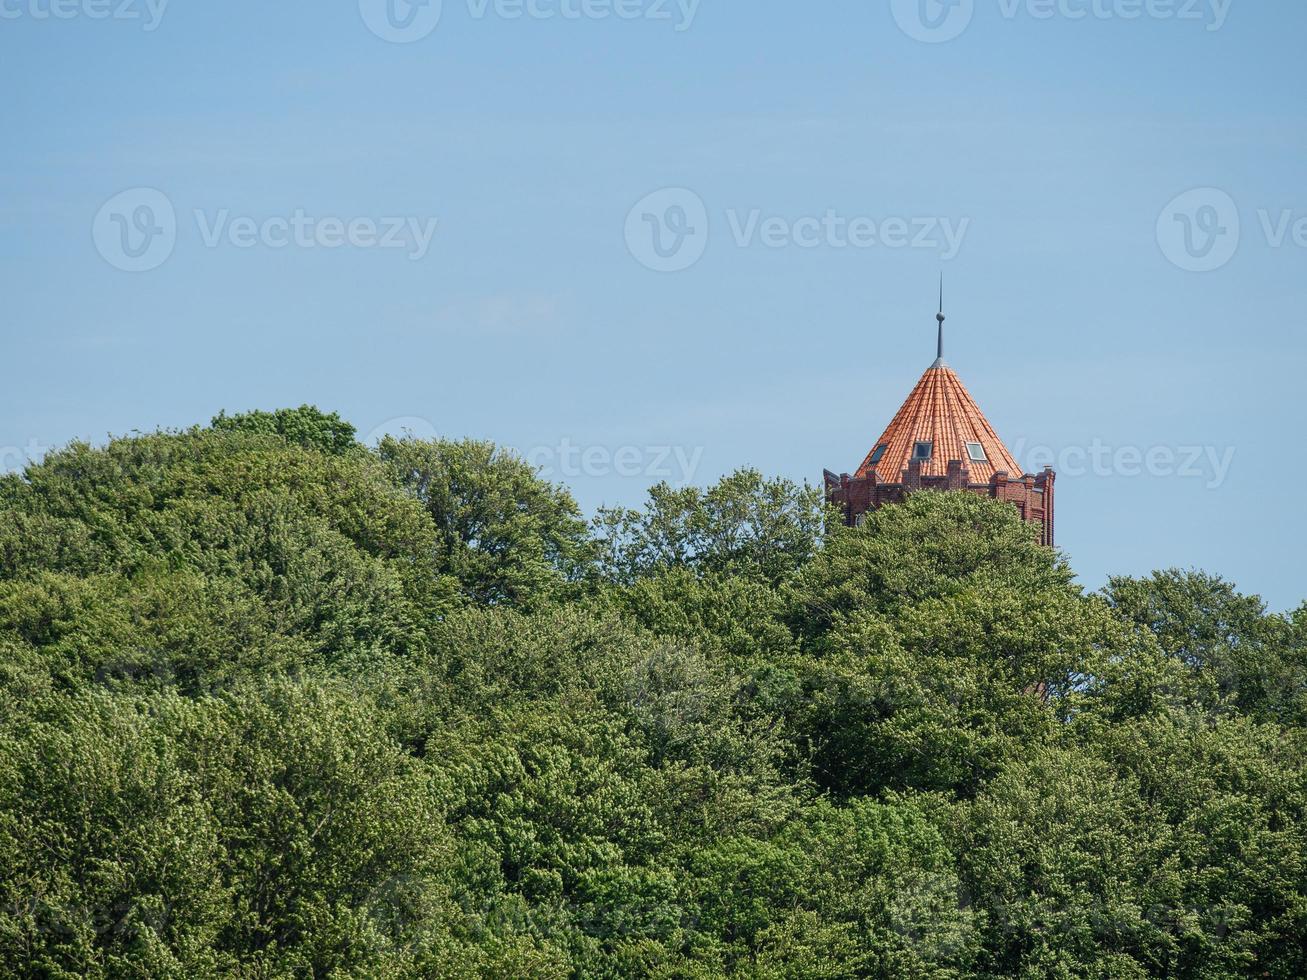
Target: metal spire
x=939 y=353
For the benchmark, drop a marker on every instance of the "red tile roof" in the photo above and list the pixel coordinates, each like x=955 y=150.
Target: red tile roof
x=939 y=411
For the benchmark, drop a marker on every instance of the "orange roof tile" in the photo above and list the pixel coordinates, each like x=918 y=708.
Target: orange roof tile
x=939 y=411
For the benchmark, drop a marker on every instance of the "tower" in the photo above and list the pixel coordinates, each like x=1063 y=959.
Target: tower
x=940 y=440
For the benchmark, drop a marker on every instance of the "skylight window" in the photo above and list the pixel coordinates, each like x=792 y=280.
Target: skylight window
x=923 y=450
x=879 y=454
x=977 y=452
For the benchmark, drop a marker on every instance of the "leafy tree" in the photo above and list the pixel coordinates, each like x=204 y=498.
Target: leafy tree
x=273 y=704
x=305 y=426
x=731 y=617
x=1228 y=797
x=1065 y=860
x=866 y=890
x=506 y=535
x=335 y=839
x=744 y=526
x=933 y=545
x=1240 y=655
x=111 y=858
x=275 y=831
x=932 y=636
x=190 y=557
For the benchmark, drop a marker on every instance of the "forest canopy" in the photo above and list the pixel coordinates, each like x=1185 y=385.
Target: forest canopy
x=277 y=704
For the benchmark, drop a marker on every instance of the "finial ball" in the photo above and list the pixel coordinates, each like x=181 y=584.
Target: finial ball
x=939 y=317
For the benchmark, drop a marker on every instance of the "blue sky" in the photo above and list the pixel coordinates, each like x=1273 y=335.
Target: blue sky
x=809 y=169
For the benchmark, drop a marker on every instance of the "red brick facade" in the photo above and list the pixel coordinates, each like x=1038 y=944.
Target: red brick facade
x=1031 y=495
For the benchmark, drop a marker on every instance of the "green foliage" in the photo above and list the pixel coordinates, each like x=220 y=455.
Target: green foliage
x=504 y=534
x=744 y=526
x=189 y=558
x=273 y=704
x=111 y=857
x=864 y=890
x=929 y=632
x=304 y=426
x=1240 y=657
x=932 y=546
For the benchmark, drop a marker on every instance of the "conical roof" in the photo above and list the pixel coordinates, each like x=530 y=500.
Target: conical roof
x=940 y=411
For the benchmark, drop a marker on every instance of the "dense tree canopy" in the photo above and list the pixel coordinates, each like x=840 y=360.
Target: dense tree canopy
x=275 y=704
x=504 y=535
x=304 y=426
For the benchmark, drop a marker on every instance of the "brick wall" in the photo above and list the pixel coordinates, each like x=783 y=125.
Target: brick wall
x=1032 y=495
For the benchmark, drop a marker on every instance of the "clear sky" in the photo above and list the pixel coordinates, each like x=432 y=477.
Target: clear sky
x=196 y=196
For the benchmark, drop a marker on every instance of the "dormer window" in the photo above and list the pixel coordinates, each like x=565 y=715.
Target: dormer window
x=977 y=452
x=879 y=453
x=923 y=451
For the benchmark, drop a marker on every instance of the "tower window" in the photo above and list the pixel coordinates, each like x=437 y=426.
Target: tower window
x=977 y=452
x=879 y=454
x=923 y=450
